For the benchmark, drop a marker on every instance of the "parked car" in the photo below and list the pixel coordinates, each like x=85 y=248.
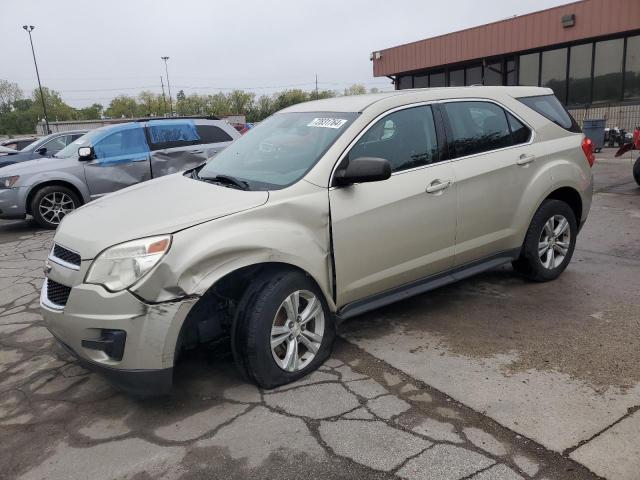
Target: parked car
x=7 y=151
x=105 y=160
x=324 y=211
x=46 y=146
x=18 y=143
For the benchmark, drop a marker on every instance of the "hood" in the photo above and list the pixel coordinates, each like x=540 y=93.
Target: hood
x=28 y=167
x=164 y=205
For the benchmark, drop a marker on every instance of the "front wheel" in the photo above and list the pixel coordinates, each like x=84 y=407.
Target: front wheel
x=549 y=243
x=51 y=204
x=283 y=329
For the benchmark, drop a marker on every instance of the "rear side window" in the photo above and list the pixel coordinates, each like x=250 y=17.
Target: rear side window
x=172 y=133
x=477 y=127
x=406 y=138
x=212 y=134
x=550 y=107
x=519 y=132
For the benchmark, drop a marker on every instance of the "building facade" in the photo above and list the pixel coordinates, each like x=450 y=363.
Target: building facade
x=588 y=52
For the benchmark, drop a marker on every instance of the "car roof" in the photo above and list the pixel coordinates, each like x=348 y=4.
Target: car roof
x=358 y=103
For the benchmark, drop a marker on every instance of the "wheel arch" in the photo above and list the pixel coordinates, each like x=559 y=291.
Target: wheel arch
x=570 y=196
x=48 y=183
x=212 y=315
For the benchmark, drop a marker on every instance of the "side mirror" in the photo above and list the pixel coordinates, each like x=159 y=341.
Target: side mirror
x=363 y=169
x=41 y=150
x=85 y=154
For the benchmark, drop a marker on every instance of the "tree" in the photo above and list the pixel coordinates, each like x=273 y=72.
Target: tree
x=355 y=89
x=9 y=93
x=123 y=106
x=93 y=112
x=374 y=90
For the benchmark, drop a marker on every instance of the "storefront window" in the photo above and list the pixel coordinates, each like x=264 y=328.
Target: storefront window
x=632 y=69
x=580 y=74
x=528 y=72
x=420 y=81
x=437 y=80
x=474 y=76
x=510 y=71
x=553 y=74
x=607 y=71
x=456 y=78
x=493 y=73
x=405 y=82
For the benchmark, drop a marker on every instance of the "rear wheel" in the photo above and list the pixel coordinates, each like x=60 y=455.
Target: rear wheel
x=549 y=243
x=52 y=203
x=283 y=329
x=636 y=171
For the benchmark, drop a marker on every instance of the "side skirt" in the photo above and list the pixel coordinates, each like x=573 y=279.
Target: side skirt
x=425 y=284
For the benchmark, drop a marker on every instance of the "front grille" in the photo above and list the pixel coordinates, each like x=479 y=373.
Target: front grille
x=56 y=293
x=66 y=255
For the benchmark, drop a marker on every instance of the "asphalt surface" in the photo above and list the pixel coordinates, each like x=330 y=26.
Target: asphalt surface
x=491 y=378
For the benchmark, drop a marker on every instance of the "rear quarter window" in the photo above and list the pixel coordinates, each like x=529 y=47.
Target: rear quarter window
x=212 y=134
x=550 y=107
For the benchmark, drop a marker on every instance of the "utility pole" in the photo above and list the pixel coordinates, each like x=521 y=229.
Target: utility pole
x=164 y=99
x=316 y=86
x=29 y=29
x=166 y=70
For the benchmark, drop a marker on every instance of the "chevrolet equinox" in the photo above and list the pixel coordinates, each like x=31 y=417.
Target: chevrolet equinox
x=324 y=211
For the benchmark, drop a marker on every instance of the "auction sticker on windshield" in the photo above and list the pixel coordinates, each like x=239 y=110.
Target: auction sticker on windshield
x=327 y=122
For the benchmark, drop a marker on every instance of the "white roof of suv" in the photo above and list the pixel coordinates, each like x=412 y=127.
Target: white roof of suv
x=357 y=103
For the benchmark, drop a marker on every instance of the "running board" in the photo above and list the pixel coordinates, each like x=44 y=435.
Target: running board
x=425 y=284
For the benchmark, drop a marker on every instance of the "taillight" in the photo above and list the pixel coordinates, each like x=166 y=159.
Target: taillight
x=587 y=148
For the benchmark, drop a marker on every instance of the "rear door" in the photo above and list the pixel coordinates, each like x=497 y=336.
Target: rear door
x=178 y=145
x=121 y=159
x=493 y=165
x=392 y=232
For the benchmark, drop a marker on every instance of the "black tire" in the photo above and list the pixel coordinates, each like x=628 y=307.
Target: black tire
x=41 y=197
x=251 y=332
x=530 y=264
x=636 y=171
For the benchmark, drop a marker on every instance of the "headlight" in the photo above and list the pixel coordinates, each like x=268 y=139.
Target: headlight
x=8 y=182
x=121 y=266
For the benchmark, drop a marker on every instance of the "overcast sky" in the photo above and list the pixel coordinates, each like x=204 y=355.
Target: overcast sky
x=91 y=51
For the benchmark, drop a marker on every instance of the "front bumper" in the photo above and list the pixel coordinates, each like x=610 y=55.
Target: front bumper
x=152 y=331
x=13 y=203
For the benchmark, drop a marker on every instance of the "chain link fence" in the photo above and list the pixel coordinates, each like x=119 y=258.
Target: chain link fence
x=626 y=117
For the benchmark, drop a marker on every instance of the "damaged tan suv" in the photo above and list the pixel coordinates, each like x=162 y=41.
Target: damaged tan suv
x=326 y=210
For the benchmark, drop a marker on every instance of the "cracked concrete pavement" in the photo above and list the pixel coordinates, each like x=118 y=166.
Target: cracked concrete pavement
x=493 y=378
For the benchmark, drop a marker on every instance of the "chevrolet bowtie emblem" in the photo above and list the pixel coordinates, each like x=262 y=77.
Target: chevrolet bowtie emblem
x=47 y=269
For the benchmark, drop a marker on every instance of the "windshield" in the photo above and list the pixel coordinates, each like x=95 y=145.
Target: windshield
x=280 y=150
x=86 y=139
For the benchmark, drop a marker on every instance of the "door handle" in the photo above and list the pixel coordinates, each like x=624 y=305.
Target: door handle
x=143 y=159
x=525 y=159
x=438 y=185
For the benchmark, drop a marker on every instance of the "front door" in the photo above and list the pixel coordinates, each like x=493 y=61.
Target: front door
x=389 y=233
x=121 y=159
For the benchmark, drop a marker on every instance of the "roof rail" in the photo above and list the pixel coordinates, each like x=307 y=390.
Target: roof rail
x=192 y=117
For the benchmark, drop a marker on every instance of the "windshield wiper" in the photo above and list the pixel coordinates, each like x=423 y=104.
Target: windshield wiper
x=226 y=180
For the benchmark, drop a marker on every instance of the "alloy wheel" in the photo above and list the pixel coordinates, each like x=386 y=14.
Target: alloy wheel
x=297 y=331
x=554 y=242
x=55 y=205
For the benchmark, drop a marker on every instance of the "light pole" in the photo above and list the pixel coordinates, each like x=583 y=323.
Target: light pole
x=29 y=29
x=166 y=70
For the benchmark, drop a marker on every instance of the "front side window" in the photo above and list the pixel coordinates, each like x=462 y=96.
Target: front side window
x=124 y=142
x=406 y=138
x=477 y=127
x=55 y=145
x=280 y=150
